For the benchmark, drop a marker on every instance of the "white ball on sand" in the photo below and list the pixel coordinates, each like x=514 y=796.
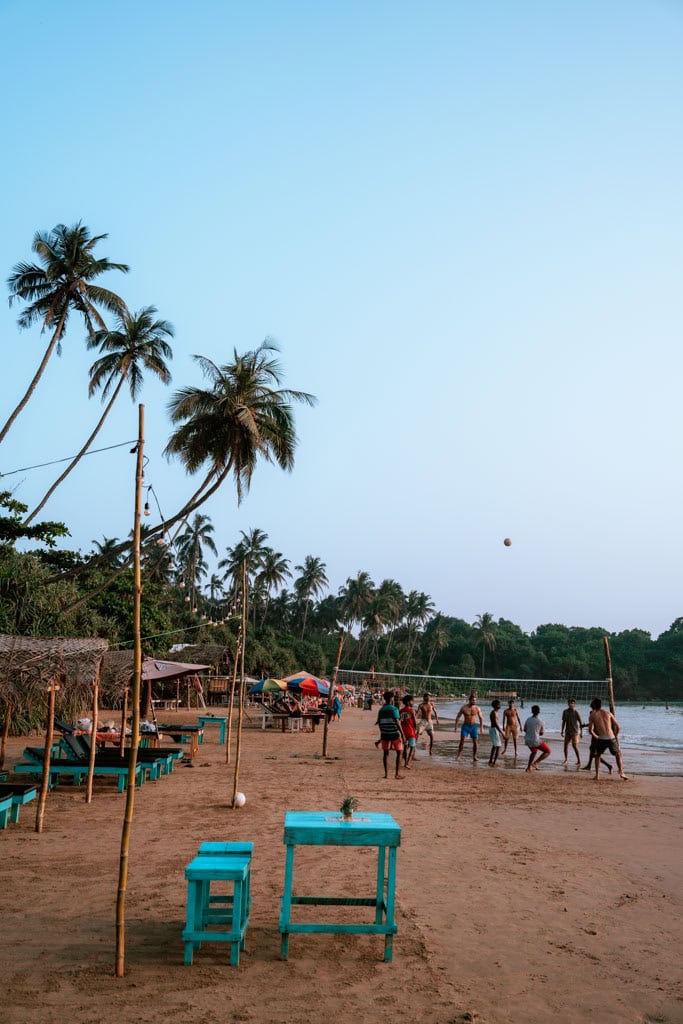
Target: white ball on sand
x=240 y=800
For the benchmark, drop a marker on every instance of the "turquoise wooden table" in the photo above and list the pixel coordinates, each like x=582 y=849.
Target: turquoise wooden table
x=218 y=720
x=326 y=828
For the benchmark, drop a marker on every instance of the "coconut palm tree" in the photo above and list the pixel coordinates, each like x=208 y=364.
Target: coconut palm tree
x=485 y=631
x=356 y=596
x=242 y=416
x=312 y=582
x=139 y=343
x=190 y=547
x=108 y=547
x=63 y=281
x=438 y=641
x=419 y=609
x=273 y=574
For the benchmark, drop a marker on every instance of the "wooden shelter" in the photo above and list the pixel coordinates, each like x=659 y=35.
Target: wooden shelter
x=60 y=674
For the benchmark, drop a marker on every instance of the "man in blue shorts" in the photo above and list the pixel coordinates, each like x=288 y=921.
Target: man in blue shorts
x=472 y=722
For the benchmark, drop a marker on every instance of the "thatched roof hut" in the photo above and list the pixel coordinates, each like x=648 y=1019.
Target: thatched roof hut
x=29 y=665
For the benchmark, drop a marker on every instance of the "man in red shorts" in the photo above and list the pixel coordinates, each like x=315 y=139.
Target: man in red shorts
x=390 y=732
x=534 y=727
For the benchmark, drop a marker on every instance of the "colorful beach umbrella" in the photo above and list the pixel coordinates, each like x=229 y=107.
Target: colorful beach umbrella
x=310 y=685
x=268 y=686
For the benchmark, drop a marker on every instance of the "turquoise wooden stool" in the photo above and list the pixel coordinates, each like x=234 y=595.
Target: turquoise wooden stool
x=219 y=849
x=207 y=911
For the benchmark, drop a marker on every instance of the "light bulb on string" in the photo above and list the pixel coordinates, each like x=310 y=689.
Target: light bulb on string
x=147 y=510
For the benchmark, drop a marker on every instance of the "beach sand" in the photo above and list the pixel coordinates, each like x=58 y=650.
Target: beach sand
x=520 y=896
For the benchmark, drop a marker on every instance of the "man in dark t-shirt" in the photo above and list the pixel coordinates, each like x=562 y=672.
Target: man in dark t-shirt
x=390 y=733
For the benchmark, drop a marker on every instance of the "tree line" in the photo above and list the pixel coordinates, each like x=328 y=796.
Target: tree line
x=221 y=430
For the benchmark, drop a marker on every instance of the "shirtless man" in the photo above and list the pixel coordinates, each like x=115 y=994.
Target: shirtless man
x=572 y=730
x=472 y=722
x=604 y=727
x=426 y=716
x=512 y=723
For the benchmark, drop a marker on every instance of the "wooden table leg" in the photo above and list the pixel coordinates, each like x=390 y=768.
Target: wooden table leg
x=286 y=909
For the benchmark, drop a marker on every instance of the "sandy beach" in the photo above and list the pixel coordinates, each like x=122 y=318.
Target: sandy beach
x=520 y=897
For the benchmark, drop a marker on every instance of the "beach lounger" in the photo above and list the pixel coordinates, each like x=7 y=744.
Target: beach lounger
x=156 y=762
x=78 y=771
x=19 y=794
x=5 y=810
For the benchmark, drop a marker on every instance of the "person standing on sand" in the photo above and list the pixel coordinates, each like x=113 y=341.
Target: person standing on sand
x=409 y=729
x=496 y=734
x=604 y=728
x=390 y=734
x=572 y=730
x=512 y=723
x=425 y=712
x=472 y=722
x=534 y=728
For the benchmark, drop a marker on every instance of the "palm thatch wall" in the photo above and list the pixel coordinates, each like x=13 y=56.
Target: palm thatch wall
x=30 y=664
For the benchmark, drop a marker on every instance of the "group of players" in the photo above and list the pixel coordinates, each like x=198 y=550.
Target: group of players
x=400 y=726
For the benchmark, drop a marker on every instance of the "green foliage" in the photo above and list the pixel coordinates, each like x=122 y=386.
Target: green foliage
x=12 y=528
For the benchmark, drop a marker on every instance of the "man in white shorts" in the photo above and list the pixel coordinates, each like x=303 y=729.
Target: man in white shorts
x=426 y=716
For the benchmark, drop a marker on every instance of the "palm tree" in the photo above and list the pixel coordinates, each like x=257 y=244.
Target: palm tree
x=61 y=283
x=138 y=343
x=419 y=610
x=312 y=581
x=108 y=547
x=356 y=596
x=392 y=600
x=224 y=429
x=190 y=546
x=438 y=641
x=485 y=629
x=273 y=574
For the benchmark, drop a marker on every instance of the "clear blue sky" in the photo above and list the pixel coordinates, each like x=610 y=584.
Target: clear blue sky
x=461 y=221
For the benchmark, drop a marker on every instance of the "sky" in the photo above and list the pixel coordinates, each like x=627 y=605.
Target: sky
x=461 y=222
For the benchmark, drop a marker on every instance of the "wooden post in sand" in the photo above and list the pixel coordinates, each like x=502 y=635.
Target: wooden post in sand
x=47 y=755
x=235 y=669
x=93 y=737
x=333 y=683
x=135 y=737
x=240 y=714
x=5 y=732
x=608 y=663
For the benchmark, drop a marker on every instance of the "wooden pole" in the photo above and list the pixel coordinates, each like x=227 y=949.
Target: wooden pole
x=333 y=683
x=610 y=683
x=240 y=713
x=93 y=738
x=5 y=732
x=124 y=719
x=135 y=737
x=235 y=668
x=47 y=755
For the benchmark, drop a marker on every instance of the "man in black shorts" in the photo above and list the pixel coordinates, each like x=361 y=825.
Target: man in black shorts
x=604 y=727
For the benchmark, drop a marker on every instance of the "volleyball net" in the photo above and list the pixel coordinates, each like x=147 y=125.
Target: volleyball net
x=528 y=690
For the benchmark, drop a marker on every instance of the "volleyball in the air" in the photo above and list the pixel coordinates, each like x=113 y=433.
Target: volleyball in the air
x=240 y=800
x=507 y=542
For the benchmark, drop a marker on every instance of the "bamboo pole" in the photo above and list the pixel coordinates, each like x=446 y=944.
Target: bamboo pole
x=233 y=683
x=93 y=737
x=135 y=737
x=240 y=714
x=610 y=683
x=47 y=755
x=333 y=683
x=124 y=717
x=5 y=732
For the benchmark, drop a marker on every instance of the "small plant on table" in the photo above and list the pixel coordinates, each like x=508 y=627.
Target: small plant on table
x=349 y=805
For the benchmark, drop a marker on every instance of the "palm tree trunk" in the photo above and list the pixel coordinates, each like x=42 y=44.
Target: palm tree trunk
x=32 y=386
x=77 y=458
x=184 y=512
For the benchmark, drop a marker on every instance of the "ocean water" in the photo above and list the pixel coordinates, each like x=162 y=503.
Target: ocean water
x=651 y=735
